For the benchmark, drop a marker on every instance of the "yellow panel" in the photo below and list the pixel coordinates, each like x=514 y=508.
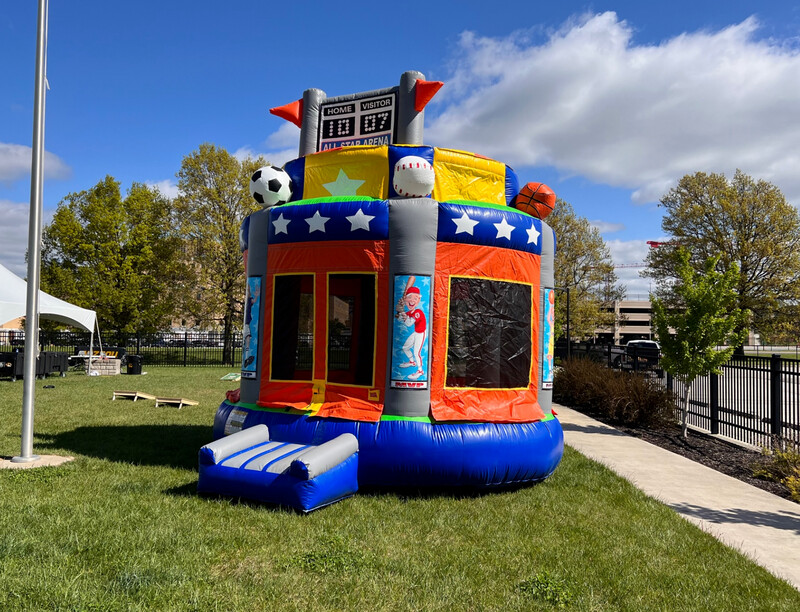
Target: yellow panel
x=348 y=171
x=463 y=176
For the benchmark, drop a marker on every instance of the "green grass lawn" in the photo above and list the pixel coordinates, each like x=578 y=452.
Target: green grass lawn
x=121 y=528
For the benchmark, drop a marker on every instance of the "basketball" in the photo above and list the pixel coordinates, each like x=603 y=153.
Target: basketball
x=536 y=199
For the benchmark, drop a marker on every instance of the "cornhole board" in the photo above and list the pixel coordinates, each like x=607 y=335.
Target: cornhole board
x=249 y=465
x=132 y=395
x=180 y=402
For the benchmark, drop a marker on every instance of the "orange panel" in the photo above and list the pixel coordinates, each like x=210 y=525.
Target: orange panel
x=322 y=258
x=470 y=404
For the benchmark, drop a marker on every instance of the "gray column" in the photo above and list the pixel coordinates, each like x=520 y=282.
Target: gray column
x=547 y=281
x=312 y=99
x=257 y=266
x=409 y=121
x=412 y=250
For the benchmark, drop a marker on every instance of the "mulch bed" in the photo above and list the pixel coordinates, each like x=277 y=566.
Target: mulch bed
x=719 y=455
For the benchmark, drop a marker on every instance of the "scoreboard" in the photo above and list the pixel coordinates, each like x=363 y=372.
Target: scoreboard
x=369 y=120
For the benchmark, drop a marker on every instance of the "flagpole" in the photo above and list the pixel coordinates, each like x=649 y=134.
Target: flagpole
x=34 y=243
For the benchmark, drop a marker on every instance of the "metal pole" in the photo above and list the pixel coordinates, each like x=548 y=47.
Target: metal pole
x=569 y=338
x=34 y=243
x=776 y=396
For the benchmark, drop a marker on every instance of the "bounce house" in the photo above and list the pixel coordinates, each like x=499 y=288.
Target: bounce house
x=399 y=315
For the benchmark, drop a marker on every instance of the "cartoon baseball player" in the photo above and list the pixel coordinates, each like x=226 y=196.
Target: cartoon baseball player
x=413 y=315
x=250 y=324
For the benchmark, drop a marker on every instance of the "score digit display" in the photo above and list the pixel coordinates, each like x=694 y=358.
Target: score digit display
x=376 y=122
x=365 y=121
x=344 y=127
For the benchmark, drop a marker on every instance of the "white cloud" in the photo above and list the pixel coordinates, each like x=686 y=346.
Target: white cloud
x=167 y=187
x=15 y=163
x=627 y=256
x=607 y=227
x=14 y=235
x=279 y=147
x=589 y=101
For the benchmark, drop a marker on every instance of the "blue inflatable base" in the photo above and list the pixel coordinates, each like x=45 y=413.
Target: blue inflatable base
x=414 y=453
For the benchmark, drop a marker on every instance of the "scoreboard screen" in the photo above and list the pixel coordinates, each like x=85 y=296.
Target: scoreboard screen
x=366 y=121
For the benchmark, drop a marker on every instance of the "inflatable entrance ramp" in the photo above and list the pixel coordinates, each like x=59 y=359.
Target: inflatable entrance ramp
x=306 y=477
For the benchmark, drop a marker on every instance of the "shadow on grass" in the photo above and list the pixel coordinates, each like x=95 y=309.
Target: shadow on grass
x=406 y=494
x=165 y=445
x=190 y=490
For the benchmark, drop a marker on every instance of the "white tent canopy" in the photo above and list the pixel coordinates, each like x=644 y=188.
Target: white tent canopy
x=13 y=295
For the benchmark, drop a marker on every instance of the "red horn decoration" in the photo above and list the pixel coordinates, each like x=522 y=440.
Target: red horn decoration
x=291 y=112
x=425 y=90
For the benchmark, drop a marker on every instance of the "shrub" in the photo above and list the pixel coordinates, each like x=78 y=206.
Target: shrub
x=626 y=398
x=783 y=467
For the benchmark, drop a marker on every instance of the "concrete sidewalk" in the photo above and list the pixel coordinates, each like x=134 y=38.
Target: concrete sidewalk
x=764 y=527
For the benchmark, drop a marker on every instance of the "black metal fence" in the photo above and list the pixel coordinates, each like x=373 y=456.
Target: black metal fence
x=755 y=400
x=162 y=349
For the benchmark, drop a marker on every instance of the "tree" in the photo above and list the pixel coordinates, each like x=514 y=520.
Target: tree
x=701 y=317
x=583 y=264
x=749 y=224
x=120 y=257
x=214 y=200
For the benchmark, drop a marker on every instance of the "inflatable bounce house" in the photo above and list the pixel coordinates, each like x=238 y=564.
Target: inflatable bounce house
x=399 y=316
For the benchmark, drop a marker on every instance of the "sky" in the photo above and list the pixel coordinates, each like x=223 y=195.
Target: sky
x=609 y=103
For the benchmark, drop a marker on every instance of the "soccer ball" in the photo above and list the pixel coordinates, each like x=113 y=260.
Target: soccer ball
x=270 y=186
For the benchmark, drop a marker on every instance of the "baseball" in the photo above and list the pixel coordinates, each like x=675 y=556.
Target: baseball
x=413 y=177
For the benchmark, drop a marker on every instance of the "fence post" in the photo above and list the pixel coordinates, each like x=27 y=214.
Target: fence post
x=713 y=401
x=185 y=347
x=669 y=381
x=776 y=395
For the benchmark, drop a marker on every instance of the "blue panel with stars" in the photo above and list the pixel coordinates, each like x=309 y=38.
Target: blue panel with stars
x=348 y=220
x=494 y=227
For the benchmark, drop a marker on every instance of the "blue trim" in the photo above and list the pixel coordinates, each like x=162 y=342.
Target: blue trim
x=290 y=223
x=256 y=456
x=398 y=152
x=296 y=169
x=512 y=185
x=244 y=234
x=243 y=451
x=291 y=452
x=412 y=453
x=479 y=225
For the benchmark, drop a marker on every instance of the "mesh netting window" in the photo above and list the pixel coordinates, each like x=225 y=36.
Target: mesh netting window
x=489 y=334
x=293 y=327
x=351 y=328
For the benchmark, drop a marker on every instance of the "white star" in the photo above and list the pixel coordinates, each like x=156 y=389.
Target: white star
x=465 y=224
x=359 y=220
x=533 y=235
x=316 y=223
x=504 y=229
x=281 y=225
x=343 y=185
